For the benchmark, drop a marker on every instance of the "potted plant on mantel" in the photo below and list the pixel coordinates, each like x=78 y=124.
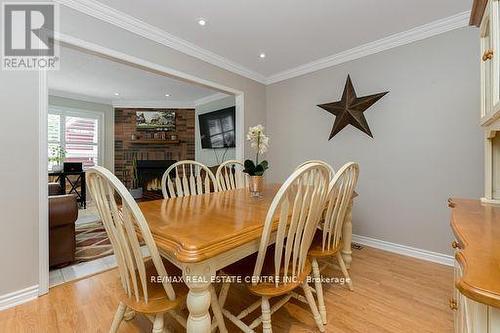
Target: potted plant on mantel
x=135 y=190
x=255 y=170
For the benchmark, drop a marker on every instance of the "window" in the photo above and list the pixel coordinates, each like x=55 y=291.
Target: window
x=77 y=133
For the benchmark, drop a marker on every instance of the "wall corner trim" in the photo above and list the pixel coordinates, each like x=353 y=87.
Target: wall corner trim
x=399 y=39
x=408 y=251
x=18 y=297
x=127 y=22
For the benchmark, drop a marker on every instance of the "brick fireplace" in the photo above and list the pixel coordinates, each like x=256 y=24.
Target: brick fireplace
x=153 y=156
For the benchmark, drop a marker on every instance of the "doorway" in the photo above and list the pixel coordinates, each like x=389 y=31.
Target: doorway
x=102 y=151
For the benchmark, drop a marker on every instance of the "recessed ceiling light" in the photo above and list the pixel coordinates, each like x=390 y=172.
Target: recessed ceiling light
x=202 y=22
x=262 y=55
x=117 y=94
x=167 y=95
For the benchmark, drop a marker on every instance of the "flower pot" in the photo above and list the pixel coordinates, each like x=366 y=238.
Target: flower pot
x=136 y=192
x=256 y=185
x=57 y=168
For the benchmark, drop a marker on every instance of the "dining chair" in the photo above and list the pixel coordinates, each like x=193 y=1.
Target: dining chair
x=189 y=181
x=328 y=241
x=280 y=268
x=330 y=168
x=125 y=226
x=185 y=178
x=230 y=176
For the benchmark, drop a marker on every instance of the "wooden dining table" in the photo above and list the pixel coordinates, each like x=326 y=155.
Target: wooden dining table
x=204 y=233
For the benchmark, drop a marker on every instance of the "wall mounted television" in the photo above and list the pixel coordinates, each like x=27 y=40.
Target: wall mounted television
x=217 y=128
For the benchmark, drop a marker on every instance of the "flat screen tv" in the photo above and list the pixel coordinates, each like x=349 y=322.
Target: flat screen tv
x=217 y=128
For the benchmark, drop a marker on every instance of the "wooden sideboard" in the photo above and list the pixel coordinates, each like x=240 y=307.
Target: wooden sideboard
x=476 y=299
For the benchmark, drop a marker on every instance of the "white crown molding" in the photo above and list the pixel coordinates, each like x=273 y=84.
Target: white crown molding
x=409 y=251
x=210 y=98
x=78 y=97
x=424 y=31
x=110 y=15
x=18 y=297
x=159 y=104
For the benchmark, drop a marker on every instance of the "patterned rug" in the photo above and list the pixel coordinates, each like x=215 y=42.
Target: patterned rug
x=92 y=242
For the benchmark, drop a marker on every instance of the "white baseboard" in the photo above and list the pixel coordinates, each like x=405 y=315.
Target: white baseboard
x=18 y=297
x=409 y=251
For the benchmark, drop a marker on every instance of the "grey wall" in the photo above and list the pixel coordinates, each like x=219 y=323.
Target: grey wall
x=427 y=142
x=207 y=156
x=109 y=123
x=19 y=180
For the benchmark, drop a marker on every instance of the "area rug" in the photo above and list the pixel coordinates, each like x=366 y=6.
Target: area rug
x=92 y=242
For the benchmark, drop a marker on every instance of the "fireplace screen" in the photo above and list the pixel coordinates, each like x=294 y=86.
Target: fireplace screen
x=150 y=174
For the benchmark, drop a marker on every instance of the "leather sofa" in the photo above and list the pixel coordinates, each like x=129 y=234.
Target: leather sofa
x=63 y=213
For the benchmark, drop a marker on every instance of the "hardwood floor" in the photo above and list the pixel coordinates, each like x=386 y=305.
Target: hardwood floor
x=392 y=293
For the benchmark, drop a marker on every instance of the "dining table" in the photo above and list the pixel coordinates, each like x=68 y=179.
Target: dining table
x=202 y=234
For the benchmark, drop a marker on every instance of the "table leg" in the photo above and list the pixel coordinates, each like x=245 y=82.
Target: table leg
x=347 y=237
x=62 y=182
x=198 y=278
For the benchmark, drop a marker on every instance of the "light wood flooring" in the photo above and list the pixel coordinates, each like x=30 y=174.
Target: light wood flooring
x=392 y=293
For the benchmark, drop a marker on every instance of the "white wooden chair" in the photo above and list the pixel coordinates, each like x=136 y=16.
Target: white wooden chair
x=189 y=180
x=230 y=175
x=295 y=212
x=330 y=168
x=123 y=221
x=328 y=241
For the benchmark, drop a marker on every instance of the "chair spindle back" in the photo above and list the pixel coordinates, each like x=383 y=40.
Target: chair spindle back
x=188 y=180
x=230 y=176
x=297 y=206
x=330 y=168
x=124 y=221
x=340 y=193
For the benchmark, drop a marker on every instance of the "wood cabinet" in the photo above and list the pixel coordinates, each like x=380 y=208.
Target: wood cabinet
x=476 y=288
x=471 y=316
x=486 y=15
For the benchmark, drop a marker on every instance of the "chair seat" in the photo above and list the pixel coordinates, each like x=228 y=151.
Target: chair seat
x=244 y=268
x=158 y=300
x=317 y=250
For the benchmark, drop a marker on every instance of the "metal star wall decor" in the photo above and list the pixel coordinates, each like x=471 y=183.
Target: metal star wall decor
x=349 y=110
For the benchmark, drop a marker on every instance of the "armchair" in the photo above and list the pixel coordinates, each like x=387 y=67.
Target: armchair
x=63 y=213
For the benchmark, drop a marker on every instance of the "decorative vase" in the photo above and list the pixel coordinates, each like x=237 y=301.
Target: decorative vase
x=256 y=185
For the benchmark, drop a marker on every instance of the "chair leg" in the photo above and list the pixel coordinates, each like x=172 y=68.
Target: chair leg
x=266 y=316
x=319 y=290
x=217 y=310
x=223 y=293
x=129 y=314
x=158 y=323
x=120 y=312
x=344 y=271
x=312 y=305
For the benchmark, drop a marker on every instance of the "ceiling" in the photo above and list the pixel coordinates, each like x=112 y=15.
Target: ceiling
x=291 y=32
x=91 y=77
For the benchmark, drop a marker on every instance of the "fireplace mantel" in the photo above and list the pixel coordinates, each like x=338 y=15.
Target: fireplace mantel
x=128 y=147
